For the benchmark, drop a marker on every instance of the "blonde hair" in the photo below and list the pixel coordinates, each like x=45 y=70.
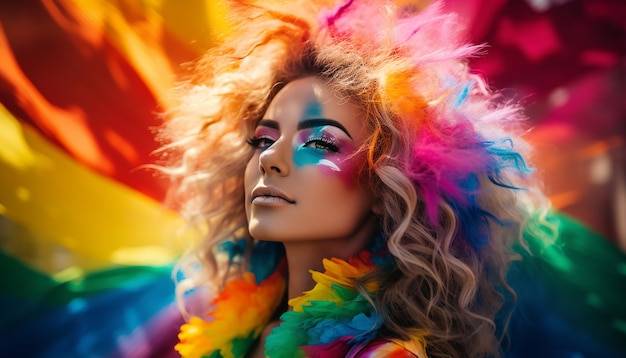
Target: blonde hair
x=441 y=283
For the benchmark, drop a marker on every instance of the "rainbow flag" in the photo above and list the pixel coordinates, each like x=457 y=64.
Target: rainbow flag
x=87 y=247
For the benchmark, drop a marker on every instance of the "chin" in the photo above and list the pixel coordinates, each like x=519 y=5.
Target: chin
x=262 y=232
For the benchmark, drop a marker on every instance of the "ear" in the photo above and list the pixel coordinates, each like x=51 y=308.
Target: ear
x=378 y=208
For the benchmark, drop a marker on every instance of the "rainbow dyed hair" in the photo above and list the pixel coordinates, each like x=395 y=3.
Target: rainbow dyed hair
x=445 y=155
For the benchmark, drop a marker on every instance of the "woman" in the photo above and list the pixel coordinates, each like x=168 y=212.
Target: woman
x=344 y=159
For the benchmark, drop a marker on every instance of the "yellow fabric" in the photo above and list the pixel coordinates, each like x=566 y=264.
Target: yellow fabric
x=66 y=206
x=155 y=35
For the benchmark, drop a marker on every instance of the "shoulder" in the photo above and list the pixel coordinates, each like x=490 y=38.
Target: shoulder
x=392 y=348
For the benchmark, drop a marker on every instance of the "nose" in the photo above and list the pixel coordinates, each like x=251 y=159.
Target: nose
x=275 y=159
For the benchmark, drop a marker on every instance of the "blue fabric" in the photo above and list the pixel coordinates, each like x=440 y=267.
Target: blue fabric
x=92 y=326
x=572 y=301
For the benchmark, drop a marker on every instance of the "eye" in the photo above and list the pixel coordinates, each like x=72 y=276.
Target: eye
x=260 y=142
x=322 y=143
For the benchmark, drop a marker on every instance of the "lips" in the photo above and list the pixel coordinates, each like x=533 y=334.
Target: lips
x=270 y=196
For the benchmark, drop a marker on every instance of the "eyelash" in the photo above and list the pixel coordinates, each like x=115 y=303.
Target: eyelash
x=319 y=143
x=326 y=144
x=256 y=142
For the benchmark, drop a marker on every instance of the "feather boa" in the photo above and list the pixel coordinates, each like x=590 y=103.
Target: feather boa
x=331 y=320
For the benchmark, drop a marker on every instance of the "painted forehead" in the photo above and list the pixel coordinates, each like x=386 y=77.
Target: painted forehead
x=311 y=98
x=308 y=95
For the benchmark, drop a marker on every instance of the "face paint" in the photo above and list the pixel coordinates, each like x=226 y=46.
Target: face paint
x=328 y=148
x=301 y=182
x=313 y=110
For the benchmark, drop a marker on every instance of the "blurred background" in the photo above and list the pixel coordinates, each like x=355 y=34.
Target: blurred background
x=86 y=244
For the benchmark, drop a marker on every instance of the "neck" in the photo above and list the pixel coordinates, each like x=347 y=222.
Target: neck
x=304 y=256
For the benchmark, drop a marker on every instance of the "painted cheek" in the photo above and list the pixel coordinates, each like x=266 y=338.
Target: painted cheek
x=349 y=167
x=342 y=165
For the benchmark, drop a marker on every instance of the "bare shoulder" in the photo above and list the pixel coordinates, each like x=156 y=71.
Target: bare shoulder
x=389 y=348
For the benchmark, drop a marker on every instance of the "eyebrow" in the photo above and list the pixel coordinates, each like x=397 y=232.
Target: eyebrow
x=319 y=122
x=270 y=123
x=307 y=123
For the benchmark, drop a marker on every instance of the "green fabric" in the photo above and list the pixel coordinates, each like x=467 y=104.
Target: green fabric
x=22 y=282
x=586 y=274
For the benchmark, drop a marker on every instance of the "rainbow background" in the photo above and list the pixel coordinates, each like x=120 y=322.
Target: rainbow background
x=86 y=244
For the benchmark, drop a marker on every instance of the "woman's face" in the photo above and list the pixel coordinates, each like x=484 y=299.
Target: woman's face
x=302 y=182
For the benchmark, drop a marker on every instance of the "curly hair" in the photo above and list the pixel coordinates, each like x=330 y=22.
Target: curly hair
x=445 y=156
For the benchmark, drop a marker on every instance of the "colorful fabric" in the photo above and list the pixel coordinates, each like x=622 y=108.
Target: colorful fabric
x=121 y=311
x=86 y=245
x=570 y=296
x=83 y=276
